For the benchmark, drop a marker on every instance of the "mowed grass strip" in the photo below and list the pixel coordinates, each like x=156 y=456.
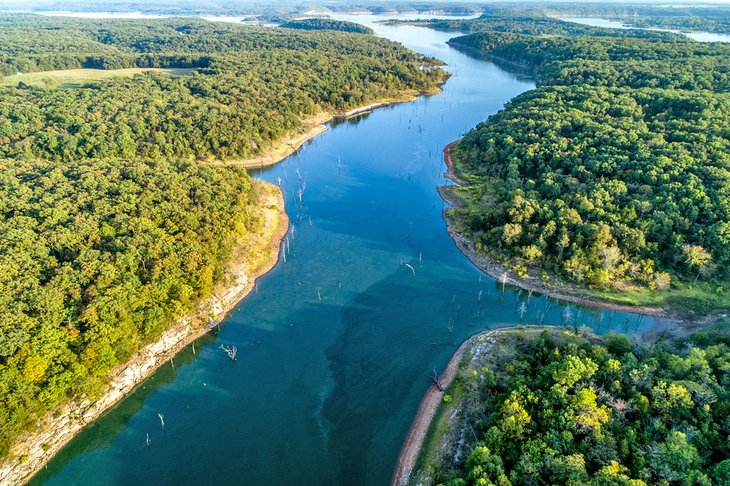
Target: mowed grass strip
x=73 y=78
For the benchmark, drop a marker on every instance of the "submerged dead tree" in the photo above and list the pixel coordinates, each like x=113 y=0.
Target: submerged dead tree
x=231 y=352
x=411 y=267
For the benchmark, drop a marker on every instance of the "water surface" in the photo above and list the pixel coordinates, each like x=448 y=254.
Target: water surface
x=614 y=24
x=337 y=345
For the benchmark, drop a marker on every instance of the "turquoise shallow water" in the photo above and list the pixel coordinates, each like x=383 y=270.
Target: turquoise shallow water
x=337 y=345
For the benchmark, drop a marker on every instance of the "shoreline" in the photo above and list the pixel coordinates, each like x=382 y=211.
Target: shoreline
x=422 y=421
x=316 y=125
x=33 y=450
x=450 y=173
x=421 y=424
x=495 y=270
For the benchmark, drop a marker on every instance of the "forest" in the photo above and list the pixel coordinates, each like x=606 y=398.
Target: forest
x=98 y=257
x=567 y=407
x=614 y=172
x=327 y=24
x=252 y=86
x=113 y=223
x=544 y=19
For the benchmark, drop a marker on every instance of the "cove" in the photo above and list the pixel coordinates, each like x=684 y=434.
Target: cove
x=337 y=345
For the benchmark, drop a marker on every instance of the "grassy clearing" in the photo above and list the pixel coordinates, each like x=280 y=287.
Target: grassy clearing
x=73 y=78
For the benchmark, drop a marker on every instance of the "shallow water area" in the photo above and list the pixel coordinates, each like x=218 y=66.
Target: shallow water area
x=338 y=342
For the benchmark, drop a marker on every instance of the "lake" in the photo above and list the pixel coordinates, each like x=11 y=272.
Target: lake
x=613 y=24
x=337 y=345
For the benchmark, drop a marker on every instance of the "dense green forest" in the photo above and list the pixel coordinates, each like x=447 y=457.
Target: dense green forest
x=544 y=19
x=568 y=408
x=327 y=24
x=112 y=226
x=98 y=257
x=614 y=173
x=252 y=87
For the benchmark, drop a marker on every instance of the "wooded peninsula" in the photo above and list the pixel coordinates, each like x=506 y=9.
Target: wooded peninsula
x=537 y=405
x=613 y=173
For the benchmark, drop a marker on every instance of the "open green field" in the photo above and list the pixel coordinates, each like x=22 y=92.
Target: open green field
x=72 y=78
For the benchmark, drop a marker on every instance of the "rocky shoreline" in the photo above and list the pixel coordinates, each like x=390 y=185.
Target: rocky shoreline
x=34 y=449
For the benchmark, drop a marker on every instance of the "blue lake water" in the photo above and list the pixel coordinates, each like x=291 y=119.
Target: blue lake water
x=337 y=345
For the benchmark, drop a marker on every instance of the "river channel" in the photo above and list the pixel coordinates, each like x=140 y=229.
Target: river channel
x=338 y=343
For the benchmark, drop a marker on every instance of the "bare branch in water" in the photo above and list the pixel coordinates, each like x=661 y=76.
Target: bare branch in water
x=435 y=380
x=231 y=352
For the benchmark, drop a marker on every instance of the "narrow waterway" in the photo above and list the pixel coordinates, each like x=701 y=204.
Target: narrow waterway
x=337 y=345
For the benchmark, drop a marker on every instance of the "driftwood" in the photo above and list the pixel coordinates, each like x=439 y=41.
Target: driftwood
x=435 y=380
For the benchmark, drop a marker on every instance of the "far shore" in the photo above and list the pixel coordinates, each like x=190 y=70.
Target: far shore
x=35 y=449
x=314 y=126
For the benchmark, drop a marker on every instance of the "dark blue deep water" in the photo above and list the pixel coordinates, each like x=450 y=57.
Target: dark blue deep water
x=324 y=391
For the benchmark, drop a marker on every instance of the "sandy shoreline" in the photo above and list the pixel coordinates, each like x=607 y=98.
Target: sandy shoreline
x=33 y=450
x=427 y=410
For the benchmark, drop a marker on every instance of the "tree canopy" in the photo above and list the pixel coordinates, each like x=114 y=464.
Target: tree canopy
x=563 y=408
x=252 y=86
x=327 y=24
x=612 y=168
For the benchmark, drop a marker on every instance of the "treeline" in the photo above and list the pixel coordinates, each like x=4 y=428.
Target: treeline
x=98 y=257
x=531 y=23
x=560 y=408
x=614 y=172
x=327 y=24
x=535 y=52
x=112 y=227
x=709 y=18
x=254 y=86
